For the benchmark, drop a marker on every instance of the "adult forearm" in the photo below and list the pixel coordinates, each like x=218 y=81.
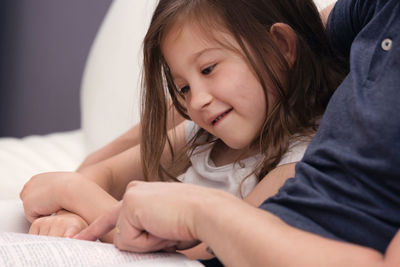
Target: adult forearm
x=241 y=235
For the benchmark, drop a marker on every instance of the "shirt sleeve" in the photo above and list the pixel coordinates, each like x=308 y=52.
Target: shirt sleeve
x=295 y=152
x=347 y=19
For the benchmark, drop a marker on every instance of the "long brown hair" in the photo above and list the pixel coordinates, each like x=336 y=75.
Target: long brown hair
x=301 y=97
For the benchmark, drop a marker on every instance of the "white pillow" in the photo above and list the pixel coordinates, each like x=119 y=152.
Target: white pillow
x=110 y=87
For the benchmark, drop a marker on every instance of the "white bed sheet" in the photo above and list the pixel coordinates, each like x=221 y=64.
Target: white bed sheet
x=14 y=220
x=20 y=159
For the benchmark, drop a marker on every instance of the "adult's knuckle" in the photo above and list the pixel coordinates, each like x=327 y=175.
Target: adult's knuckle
x=129 y=197
x=133 y=184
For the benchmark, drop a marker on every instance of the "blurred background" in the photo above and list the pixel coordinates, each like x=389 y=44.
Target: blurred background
x=43 y=48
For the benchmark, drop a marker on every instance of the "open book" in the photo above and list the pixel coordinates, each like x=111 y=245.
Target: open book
x=31 y=250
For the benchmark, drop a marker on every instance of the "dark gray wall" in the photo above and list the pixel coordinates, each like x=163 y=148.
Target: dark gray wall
x=43 y=49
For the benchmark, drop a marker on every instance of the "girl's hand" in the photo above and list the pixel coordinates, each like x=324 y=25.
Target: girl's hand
x=63 y=224
x=44 y=193
x=152 y=216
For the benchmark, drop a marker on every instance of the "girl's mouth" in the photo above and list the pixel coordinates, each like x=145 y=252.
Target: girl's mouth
x=221 y=116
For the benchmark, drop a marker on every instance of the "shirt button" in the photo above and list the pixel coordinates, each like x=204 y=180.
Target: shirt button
x=386 y=44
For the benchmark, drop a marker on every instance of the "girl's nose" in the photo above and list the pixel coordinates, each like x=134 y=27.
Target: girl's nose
x=200 y=97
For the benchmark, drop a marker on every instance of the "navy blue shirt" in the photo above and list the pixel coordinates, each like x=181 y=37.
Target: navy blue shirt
x=347 y=186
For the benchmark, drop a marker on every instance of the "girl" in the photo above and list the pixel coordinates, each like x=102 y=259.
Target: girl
x=252 y=78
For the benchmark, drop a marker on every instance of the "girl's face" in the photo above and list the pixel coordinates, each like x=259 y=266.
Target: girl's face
x=222 y=94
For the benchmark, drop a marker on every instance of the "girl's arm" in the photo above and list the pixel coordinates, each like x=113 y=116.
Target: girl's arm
x=92 y=190
x=267 y=187
x=114 y=174
x=111 y=177
x=89 y=191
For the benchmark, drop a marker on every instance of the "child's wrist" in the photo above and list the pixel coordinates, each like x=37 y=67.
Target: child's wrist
x=68 y=192
x=85 y=198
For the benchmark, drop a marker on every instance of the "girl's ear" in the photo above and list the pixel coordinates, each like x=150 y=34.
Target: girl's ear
x=285 y=39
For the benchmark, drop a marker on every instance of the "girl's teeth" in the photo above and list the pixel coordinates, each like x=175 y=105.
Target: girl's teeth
x=221 y=116
x=218 y=118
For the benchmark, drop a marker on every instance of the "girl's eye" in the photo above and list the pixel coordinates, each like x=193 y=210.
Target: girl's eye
x=208 y=70
x=184 y=89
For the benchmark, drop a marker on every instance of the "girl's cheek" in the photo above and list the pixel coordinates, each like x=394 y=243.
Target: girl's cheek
x=187 y=105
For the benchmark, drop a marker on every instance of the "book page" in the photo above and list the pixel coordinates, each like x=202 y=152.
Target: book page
x=32 y=250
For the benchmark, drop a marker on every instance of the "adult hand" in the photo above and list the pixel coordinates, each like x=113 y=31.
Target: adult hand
x=42 y=195
x=152 y=216
x=63 y=224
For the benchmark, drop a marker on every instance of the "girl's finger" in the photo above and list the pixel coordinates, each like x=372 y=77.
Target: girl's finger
x=101 y=225
x=56 y=231
x=71 y=231
x=44 y=229
x=34 y=229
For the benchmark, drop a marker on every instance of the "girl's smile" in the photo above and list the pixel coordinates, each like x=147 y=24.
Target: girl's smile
x=220 y=117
